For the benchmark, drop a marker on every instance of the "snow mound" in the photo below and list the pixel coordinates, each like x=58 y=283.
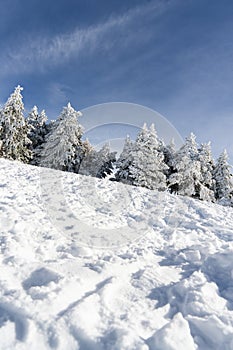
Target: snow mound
x=174 y=334
x=134 y=269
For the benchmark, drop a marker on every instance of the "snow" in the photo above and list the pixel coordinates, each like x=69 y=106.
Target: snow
x=174 y=334
x=138 y=269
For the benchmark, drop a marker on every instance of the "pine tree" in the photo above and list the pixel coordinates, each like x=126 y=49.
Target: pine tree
x=124 y=162
x=98 y=163
x=192 y=146
x=107 y=159
x=223 y=179
x=207 y=167
x=148 y=167
x=51 y=125
x=38 y=128
x=83 y=150
x=37 y=133
x=14 y=142
x=187 y=169
x=169 y=153
x=63 y=146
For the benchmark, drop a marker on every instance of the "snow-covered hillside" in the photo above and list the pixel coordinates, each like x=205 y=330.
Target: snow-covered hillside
x=136 y=270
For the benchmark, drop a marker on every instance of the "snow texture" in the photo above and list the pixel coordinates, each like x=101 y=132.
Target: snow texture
x=170 y=286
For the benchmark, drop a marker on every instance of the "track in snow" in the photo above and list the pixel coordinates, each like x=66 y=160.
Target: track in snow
x=163 y=280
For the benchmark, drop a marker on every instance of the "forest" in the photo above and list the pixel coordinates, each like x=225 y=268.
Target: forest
x=147 y=161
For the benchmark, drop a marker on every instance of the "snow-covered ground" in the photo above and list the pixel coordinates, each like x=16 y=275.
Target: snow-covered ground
x=108 y=266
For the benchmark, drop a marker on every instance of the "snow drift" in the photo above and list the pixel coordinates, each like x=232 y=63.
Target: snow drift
x=155 y=274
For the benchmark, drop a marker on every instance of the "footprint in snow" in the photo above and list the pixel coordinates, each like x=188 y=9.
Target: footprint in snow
x=37 y=282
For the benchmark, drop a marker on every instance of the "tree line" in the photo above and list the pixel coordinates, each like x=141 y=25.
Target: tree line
x=147 y=162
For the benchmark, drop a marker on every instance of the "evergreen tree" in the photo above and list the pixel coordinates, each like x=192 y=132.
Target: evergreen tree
x=51 y=125
x=83 y=150
x=169 y=153
x=223 y=179
x=37 y=133
x=38 y=128
x=98 y=163
x=207 y=167
x=192 y=146
x=63 y=146
x=124 y=162
x=148 y=167
x=107 y=159
x=186 y=178
x=14 y=142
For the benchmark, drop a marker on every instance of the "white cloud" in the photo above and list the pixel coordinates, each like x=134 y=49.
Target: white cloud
x=41 y=53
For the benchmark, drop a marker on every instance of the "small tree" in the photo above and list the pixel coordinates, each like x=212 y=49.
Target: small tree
x=63 y=146
x=14 y=141
x=38 y=128
x=187 y=169
x=37 y=133
x=168 y=153
x=148 y=167
x=223 y=179
x=207 y=182
x=83 y=151
x=98 y=163
x=124 y=162
x=192 y=146
x=107 y=160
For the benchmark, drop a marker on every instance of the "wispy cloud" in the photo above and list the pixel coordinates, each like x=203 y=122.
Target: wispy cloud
x=43 y=52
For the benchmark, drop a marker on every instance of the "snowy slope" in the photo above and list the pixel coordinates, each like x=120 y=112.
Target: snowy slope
x=136 y=270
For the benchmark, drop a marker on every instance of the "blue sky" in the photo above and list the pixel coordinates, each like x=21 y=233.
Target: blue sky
x=172 y=56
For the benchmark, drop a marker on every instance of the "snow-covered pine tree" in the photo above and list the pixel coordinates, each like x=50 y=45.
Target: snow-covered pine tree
x=124 y=162
x=14 y=141
x=187 y=170
x=32 y=119
x=63 y=146
x=37 y=124
x=223 y=180
x=169 y=153
x=50 y=125
x=98 y=163
x=107 y=160
x=192 y=146
x=83 y=150
x=207 y=182
x=148 y=167
x=37 y=133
